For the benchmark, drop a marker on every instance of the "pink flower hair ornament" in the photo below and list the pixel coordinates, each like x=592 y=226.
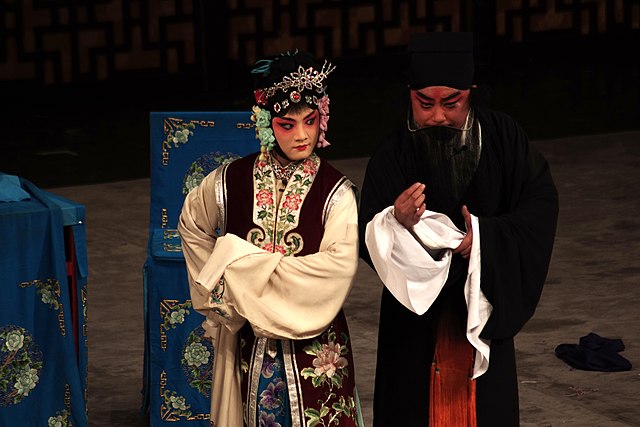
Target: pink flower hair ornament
x=323 y=109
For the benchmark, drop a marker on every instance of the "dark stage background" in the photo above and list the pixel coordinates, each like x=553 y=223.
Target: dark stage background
x=78 y=78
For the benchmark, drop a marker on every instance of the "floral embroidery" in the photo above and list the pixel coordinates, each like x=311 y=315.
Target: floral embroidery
x=272 y=397
x=329 y=365
x=329 y=360
x=197 y=361
x=263 y=213
x=202 y=166
x=175 y=404
x=309 y=167
x=269 y=247
x=20 y=364
x=244 y=364
x=176 y=315
x=61 y=419
x=268 y=420
x=329 y=368
x=269 y=367
x=194 y=177
x=292 y=203
x=196 y=354
x=48 y=289
x=264 y=198
x=179 y=134
x=273 y=407
x=218 y=291
x=274 y=231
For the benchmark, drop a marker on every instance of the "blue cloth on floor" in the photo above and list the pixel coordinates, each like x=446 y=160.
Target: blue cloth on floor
x=11 y=190
x=594 y=353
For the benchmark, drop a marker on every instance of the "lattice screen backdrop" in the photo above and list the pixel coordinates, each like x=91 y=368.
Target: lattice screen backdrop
x=62 y=41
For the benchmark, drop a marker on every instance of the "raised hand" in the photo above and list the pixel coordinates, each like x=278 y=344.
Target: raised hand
x=410 y=205
x=464 y=248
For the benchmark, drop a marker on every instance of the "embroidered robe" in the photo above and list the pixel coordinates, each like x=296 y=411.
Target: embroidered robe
x=280 y=272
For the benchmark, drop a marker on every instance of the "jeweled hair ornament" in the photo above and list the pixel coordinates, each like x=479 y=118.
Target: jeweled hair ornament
x=303 y=79
x=306 y=84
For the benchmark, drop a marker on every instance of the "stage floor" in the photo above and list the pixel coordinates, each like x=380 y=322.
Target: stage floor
x=592 y=286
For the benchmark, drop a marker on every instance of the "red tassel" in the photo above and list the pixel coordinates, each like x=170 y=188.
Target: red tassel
x=453 y=391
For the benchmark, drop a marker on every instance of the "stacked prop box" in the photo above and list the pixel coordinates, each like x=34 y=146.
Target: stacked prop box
x=185 y=147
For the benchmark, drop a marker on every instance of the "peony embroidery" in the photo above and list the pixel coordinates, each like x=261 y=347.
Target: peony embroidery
x=61 y=419
x=196 y=354
x=329 y=360
x=264 y=198
x=20 y=364
x=309 y=167
x=329 y=368
x=292 y=202
x=197 y=361
x=274 y=231
x=270 y=247
x=14 y=340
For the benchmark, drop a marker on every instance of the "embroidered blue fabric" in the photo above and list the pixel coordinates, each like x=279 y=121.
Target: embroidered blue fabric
x=273 y=398
x=184 y=148
x=43 y=379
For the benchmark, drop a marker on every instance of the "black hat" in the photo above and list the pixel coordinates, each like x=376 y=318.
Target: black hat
x=441 y=59
x=594 y=353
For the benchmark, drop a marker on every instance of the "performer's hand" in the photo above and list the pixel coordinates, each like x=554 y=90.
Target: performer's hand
x=409 y=206
x=464 y=248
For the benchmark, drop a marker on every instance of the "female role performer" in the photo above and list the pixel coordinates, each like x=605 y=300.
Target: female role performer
x=271 y=247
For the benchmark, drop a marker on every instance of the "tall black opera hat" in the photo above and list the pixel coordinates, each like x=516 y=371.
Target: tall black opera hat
x=441 y=59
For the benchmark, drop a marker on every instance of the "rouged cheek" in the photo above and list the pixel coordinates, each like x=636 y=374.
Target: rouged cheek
x=313 y=127
x=280 y=135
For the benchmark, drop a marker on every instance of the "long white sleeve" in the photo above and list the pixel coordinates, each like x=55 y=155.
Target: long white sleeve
x=415 y=266
x=282 y=297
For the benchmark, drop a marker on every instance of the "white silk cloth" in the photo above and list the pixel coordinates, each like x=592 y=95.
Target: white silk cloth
x=414 y=266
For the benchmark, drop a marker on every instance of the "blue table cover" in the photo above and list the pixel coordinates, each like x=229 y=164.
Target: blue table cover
x=42 y=373
x=185 y=147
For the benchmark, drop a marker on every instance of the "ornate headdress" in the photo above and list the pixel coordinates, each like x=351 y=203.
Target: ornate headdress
x=288 y=80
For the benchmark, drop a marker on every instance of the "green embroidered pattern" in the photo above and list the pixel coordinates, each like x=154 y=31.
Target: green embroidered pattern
x=49 y=291
x=175 y=406
x=177 y=133
x=176 y=315
x=20 y=364
x=197 y=361
x=61 y=419
x=276 y=222
x=329 y=368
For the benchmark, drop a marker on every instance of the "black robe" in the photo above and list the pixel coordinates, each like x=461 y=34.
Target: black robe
x=513 y=195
